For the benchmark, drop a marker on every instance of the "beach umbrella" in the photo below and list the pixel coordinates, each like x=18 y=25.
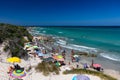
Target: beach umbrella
x=37 y=52
x=57 y=64
x=58 y=58
x=67 y=68
x=14 y=59
x=35 y=47
x=17 y=75
x=80 y=77
x=74 y=78
x=40 y=54
x=75 y=56
x=96 y=65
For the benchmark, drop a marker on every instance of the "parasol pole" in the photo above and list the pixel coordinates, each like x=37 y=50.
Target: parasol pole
x=92 y=62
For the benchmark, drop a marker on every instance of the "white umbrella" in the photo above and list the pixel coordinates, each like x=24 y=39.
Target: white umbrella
x=75 y=56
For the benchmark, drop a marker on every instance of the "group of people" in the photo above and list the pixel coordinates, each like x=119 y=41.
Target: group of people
x=15 y=67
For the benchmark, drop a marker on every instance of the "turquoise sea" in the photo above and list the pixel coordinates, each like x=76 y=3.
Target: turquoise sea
x=105 y=41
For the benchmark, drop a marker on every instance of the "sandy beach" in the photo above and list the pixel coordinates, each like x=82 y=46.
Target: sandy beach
x=109 y=68
x=33 y=75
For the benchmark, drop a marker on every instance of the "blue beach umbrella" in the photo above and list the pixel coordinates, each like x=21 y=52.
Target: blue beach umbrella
x=74 y=78
x=40 y=54
x=80 y=77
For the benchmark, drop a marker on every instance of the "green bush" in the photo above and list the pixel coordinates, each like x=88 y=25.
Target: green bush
x=14 y=35
x=47 y=67
x=83 y=71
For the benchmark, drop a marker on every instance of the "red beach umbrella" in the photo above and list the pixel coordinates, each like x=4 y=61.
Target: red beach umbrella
x=96 y=65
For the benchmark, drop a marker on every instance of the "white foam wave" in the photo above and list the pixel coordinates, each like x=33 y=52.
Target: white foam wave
x=80 y=48
x=84 y=47
x=77 y=47
x=72 y=39
x=110 y=56
x=44 y=31
x=60 y=32
x=61 y=42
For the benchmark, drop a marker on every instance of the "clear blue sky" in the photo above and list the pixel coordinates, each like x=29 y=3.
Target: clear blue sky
x=60 y=12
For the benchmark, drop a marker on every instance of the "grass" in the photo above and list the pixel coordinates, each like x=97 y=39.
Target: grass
x=83 y=71
x=47 y=67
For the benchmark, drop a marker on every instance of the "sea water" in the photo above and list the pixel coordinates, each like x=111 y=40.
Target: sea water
x=105 y=40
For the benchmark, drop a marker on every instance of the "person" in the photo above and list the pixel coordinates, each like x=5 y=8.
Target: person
x=98 y=68
x=53 y=50
x=63 y=54
x=85 y=66
x=92 y=63
x=17 y=67
x=77 y=66
x=69 y=63
x=10 y=69
x=77 y=59
x=72 y=59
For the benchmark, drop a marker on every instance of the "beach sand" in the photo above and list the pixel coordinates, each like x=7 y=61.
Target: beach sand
x=33 y=75
x=110 y=67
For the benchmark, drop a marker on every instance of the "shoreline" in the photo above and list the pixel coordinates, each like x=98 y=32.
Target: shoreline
x=106 y=50
x=110 y=67
x=66 y=77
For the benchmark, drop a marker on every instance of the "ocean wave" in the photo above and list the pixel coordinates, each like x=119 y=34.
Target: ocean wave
x=110 y=56
x=60 y=32
x=44 y=31
x=72 y=39
x=61 y=42
x=64 y=44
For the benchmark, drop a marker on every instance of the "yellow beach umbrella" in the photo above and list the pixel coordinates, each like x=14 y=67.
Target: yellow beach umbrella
x=60 y=56
x=14 y=59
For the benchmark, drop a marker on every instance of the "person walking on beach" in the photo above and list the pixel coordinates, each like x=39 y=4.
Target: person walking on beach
x=77 y=66
x=72 y=52
x=53 y=50
x=63 y=54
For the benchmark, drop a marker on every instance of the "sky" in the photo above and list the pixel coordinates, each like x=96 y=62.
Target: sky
x=60 y=12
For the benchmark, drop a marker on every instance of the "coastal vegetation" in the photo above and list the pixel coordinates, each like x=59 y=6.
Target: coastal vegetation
x=83 y=71
x=47 y=67
x=13 y=38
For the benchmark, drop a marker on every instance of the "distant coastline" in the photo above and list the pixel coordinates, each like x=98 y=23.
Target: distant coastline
x=73 y=26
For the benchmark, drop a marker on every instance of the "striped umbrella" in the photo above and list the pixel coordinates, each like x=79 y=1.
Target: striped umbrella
x=58 y=58
x=17 y=75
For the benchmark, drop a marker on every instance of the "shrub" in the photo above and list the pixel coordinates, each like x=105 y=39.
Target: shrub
x=83 y=71
x=14 y=35
x=47 y=67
